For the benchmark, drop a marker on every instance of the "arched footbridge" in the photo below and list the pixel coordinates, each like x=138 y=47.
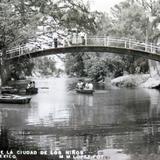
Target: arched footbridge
x=91 y=44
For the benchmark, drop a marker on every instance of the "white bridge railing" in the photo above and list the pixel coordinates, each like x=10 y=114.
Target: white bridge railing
x=90 y=41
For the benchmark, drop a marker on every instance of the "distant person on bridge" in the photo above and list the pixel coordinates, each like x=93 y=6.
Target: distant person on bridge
x=64 y=42
x=55 y=42
x=55 y=39
x=83 y=40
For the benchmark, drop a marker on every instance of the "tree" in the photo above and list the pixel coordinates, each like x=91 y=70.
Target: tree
x=17 y=22
x=45 y=65
x=129 y=20
x=20 y=22
x=75 y=65
x=21 y=68
x=104 y=24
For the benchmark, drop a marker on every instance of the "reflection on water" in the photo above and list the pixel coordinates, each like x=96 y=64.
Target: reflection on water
x=123 y=123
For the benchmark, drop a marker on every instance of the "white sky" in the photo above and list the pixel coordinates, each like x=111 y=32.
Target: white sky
x=103 y=5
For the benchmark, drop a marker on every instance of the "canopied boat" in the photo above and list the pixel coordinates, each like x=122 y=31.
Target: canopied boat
x=14 y=99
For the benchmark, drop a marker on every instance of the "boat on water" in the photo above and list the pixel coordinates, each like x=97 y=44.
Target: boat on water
x=31 y=90
x=84 y=91
x=14 y=99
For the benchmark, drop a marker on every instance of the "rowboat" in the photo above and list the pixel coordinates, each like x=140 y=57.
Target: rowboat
x=14 y=99
x=84 y=91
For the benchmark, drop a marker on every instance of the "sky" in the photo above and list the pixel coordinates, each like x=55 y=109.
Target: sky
x=103 y=5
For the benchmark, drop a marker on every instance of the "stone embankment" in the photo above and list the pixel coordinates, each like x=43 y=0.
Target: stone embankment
x=138 y=80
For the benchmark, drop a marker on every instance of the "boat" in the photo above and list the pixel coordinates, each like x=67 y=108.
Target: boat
x=31 y=90
x=14 y=99
x=9 y=90
x=84 y=91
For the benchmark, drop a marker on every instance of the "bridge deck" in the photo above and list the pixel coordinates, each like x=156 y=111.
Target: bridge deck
x=92 y=44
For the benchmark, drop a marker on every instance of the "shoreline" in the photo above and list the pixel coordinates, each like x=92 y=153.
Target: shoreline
x=136 y=81
x=128 y=81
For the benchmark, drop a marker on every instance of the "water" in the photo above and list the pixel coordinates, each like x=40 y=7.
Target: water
x=118 y=123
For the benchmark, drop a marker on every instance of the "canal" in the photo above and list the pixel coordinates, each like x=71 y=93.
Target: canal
x=121 y=124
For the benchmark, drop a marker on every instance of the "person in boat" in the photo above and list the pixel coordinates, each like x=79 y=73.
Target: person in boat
x=88 y=86
x=33 y=84
x=29 y=85
x=80 y=84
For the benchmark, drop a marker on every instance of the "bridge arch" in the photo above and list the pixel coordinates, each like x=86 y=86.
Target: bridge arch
x=77 y=49
x=93 y=44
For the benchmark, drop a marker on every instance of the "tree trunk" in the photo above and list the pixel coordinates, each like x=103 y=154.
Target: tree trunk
x=154 y=68
x=5 y=72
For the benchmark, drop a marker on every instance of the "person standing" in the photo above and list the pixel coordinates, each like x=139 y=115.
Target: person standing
x=83 y=40
x=55 y=42
x=55 y=39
